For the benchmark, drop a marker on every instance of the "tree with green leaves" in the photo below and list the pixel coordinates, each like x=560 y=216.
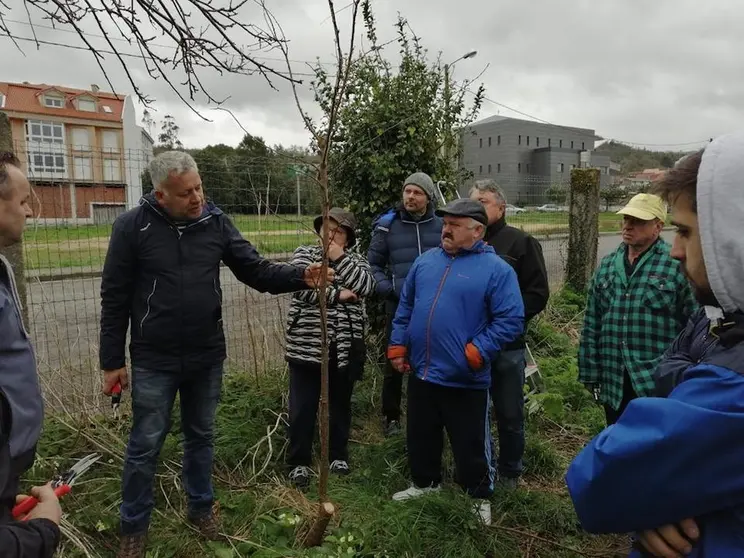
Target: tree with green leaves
x=168 y=136
x=393 y=121
x=610 y=195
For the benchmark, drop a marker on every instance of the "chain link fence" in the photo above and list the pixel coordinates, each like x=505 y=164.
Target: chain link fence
x=272 y=204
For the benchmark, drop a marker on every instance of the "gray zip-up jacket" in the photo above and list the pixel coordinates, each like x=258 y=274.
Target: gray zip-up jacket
x=18 y=378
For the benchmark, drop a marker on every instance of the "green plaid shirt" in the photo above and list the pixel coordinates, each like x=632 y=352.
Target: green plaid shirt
x=631 y=320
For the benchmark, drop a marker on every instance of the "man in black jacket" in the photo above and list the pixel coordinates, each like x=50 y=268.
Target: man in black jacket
x=162 y=274
x=524 y=254
x=21 y=405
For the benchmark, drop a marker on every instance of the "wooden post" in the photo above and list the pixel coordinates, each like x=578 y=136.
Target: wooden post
x=14 y=253
x=583 y=228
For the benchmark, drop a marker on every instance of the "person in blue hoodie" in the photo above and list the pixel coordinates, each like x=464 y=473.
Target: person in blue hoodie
x=670 y=469
x=459 y=307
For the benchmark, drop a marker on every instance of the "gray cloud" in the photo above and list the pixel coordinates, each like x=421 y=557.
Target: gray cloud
x=661 y=72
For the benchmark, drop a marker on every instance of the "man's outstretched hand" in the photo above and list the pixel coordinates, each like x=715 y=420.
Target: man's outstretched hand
x=670 y=541
x=312 y=275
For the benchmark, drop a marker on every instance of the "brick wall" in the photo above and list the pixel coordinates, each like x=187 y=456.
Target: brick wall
x=84 y=196
x=53 y=201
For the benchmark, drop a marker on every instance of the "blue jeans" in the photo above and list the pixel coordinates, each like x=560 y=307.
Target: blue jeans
x=153 y=395
x=507 y=391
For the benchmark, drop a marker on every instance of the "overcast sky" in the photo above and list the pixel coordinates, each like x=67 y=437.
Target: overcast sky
x=662 y=72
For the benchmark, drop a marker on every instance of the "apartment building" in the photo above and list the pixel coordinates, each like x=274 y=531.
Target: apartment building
x=528 y=157
x=81 y=149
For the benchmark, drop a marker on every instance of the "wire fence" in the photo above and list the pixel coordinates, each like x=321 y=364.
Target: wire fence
x=272 y=203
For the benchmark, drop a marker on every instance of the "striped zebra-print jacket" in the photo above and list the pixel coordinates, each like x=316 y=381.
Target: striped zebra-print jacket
x=346 y=320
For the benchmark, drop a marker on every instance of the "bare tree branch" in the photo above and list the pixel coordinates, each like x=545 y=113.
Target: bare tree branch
x=205 y=36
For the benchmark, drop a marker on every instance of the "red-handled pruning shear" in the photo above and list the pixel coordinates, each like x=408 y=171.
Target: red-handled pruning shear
x=116 y=398
x=62 y=484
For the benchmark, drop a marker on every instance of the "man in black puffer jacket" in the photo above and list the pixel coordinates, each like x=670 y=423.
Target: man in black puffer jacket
x=524 y=254
x=162 y=273
x=399 y=237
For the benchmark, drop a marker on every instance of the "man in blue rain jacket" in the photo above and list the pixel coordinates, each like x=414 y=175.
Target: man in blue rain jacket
x=672 y=468
x=460 y=305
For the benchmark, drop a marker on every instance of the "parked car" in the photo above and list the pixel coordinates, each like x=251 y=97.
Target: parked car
x=514 y=210
x=549 y=208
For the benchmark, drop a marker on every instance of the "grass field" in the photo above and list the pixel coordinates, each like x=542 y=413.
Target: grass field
x=264 y=517
x=54 y=247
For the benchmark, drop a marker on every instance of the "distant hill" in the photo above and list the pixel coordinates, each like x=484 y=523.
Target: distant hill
x=632 y=159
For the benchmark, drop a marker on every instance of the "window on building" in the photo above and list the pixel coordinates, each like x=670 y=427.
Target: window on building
x=537 y=142
x=480 y=169
x=83 y=168
x=88 y=105
x=528 y=140
x=560 y=143
x=53 y=101
x=582 y=146
x=2 y=100
x=519 y=167
x=498 y=140
x=573 y=167
x=572 y=144
x=549 y=142
x=111 y=170
x=81 y=139
x=489 y=141
x=519 y=141
x=560 y=167
x=110 y=141
x=528 y=168
x=498 y=167
x=46 y=148
x=480 y=143
x=489 y=169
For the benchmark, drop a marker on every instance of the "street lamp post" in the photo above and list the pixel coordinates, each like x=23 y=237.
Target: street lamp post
x=448 y=121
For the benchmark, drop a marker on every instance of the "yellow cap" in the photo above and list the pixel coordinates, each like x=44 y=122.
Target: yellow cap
x=645 y=207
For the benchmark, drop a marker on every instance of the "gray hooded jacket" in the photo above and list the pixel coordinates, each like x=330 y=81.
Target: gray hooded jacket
x=18 y=379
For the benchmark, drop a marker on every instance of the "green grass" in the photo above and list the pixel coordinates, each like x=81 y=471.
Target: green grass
x=85 y=246
x=49 y=248
x=264 y=516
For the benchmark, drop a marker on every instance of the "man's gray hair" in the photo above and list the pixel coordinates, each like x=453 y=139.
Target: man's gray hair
x=167 y=163
x=489 y=185
x=475 y=223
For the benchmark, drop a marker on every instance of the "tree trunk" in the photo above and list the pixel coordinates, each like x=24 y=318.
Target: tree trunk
x=583 y=228
x=326 y=509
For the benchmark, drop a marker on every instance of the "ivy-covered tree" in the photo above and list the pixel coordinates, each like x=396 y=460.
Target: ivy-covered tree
x=393 y=121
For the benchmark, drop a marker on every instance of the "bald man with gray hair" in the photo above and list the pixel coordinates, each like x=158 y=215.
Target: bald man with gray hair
x=162 y=275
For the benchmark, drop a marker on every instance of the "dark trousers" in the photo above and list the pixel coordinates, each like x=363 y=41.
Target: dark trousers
x=392 y=382
x=153 y=395
x=611 y=415
x=304 y=395
x=465 y=415
x=507 y=391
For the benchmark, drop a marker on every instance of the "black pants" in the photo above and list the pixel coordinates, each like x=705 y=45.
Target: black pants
x=304 y=395
x=464 y=413
x=392 y=382
x=611 y=415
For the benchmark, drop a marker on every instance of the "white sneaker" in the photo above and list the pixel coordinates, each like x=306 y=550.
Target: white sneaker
x=414 y=492
x=483 y=509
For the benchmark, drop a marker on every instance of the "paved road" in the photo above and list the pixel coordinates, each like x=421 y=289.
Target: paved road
x=65 y=314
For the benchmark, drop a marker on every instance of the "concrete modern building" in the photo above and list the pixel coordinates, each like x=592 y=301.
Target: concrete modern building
x=526 y=158
x=81 y=149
